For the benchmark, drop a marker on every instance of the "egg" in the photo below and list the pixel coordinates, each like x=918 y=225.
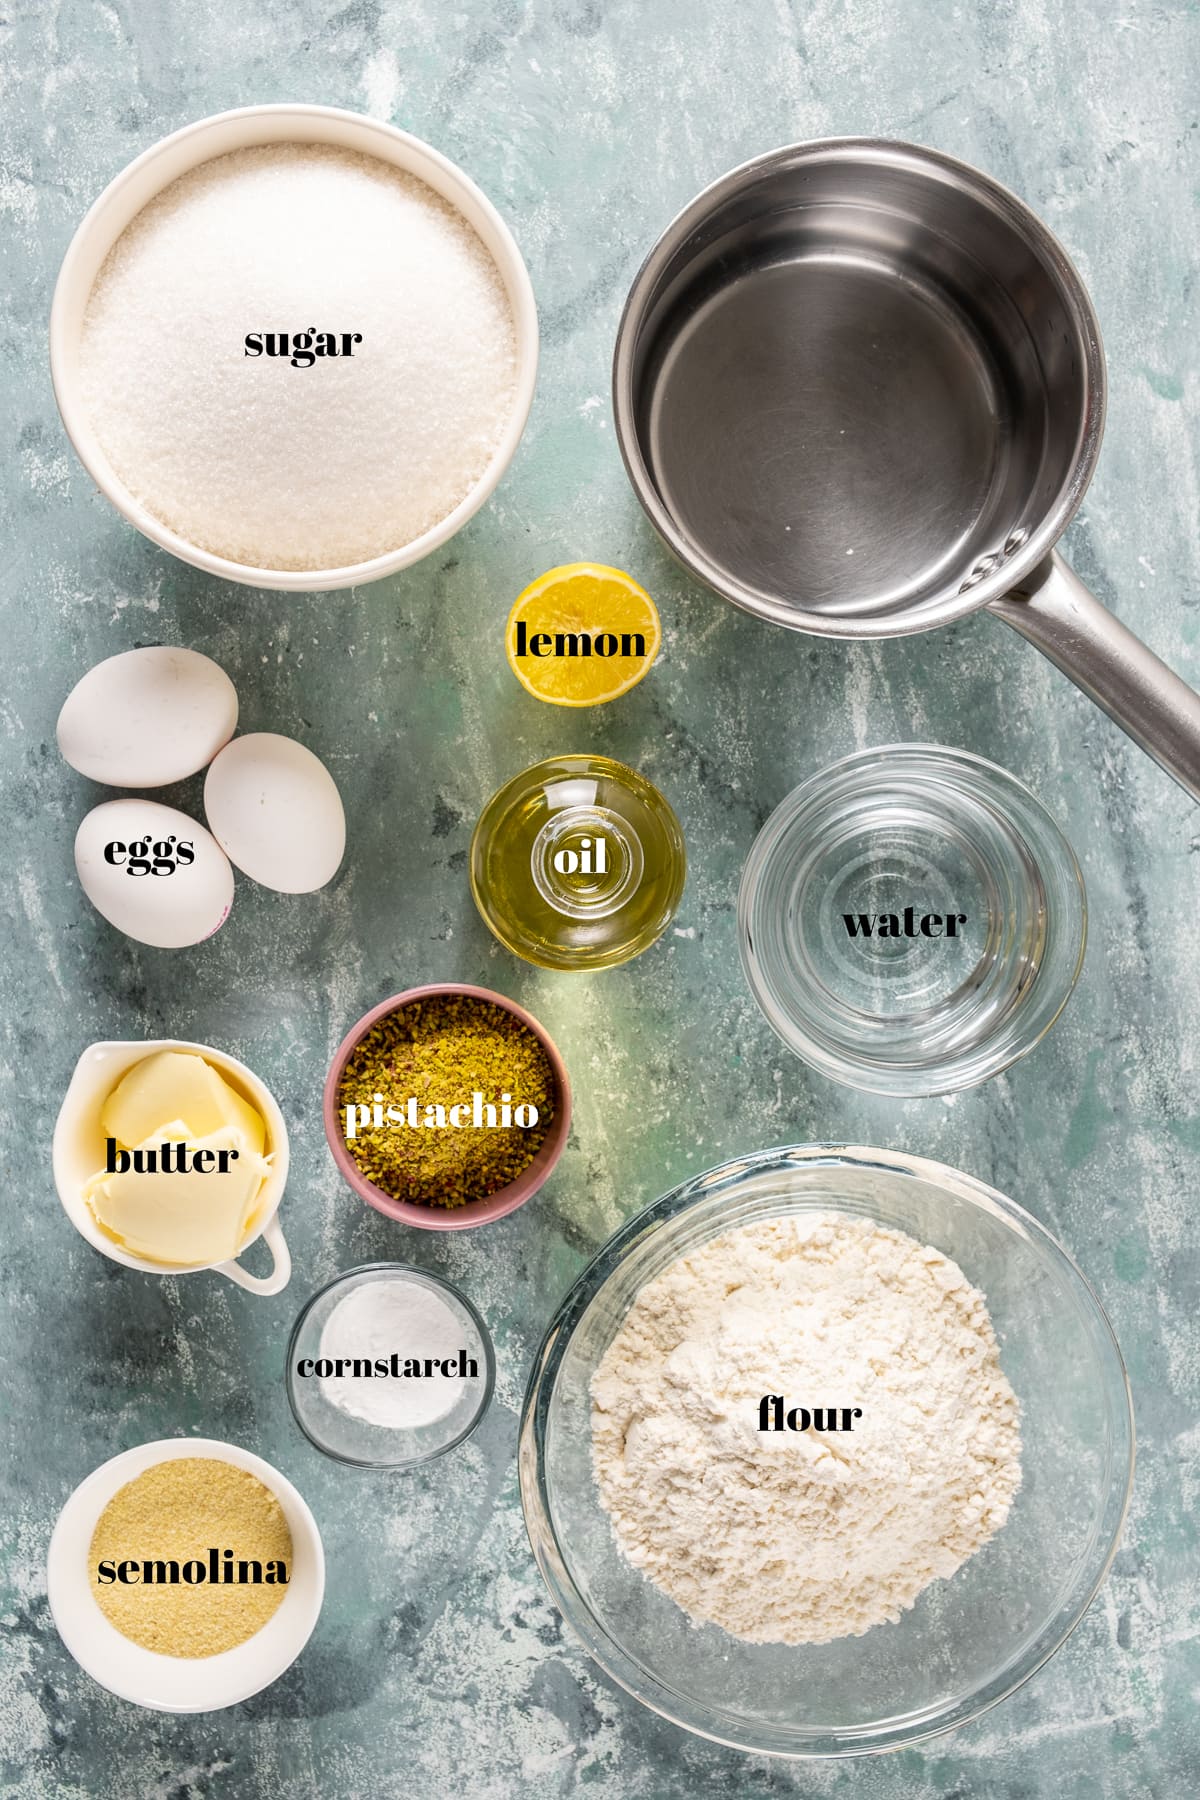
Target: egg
x=154 y=873
x=147 y=717
x=275 y=811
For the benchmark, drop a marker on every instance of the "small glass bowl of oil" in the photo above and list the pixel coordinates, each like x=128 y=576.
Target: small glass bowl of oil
x=577 y=863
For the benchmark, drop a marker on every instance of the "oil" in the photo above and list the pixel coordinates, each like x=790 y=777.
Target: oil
x=577 y=863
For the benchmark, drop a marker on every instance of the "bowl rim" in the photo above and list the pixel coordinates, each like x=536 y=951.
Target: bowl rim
x=475 y=1212
x=640 y=1682
x=430 y=1278
x=341 y=125
x=217 y=1681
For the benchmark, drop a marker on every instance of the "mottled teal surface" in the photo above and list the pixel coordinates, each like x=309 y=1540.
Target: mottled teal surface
x=439 y=1666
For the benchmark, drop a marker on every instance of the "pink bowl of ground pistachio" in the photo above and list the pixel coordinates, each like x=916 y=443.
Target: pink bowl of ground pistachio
x=440 y=1091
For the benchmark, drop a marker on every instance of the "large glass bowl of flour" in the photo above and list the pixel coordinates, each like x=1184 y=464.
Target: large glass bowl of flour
x=968 y=1640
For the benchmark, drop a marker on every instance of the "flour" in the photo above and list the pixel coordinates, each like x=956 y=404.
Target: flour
x=801 y=1537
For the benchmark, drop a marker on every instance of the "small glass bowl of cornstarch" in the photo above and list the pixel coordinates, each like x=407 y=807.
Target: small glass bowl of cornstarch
x=294 y=346
x=388 y=1367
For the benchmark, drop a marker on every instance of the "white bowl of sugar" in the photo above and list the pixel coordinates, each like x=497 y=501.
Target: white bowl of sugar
x=294 y=346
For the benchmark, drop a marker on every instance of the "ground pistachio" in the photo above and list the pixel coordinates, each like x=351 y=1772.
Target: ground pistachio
x=443 y=1052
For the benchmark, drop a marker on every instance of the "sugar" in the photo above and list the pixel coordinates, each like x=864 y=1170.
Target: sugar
x=285 y=467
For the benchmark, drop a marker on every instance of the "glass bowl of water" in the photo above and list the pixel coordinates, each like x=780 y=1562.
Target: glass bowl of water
x=911 y=920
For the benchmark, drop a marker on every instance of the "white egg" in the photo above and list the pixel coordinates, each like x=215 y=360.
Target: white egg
x=154 y=873
x=275 y=811
x=147 y=717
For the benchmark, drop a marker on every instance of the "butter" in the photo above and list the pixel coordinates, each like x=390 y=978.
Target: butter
x=203 y=1213
x=192 y=1218
x=177 y=1084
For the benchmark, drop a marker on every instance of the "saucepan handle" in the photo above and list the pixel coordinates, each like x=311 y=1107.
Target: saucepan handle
x=1055 y=611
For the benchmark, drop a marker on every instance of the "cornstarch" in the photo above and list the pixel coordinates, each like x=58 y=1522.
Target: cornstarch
x=393 y=1316
x=323 y=461
x=802 y=1536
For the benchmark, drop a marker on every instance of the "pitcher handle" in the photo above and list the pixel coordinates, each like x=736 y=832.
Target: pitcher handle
x=1055 y=611
x=280 y=1275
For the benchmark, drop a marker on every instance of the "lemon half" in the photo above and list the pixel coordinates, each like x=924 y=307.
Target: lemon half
x=581 y=634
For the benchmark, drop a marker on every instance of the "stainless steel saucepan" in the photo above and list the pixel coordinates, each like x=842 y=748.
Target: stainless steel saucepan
x=859 y=390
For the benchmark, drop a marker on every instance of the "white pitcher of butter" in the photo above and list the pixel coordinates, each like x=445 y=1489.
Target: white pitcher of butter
x=172 y=1157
